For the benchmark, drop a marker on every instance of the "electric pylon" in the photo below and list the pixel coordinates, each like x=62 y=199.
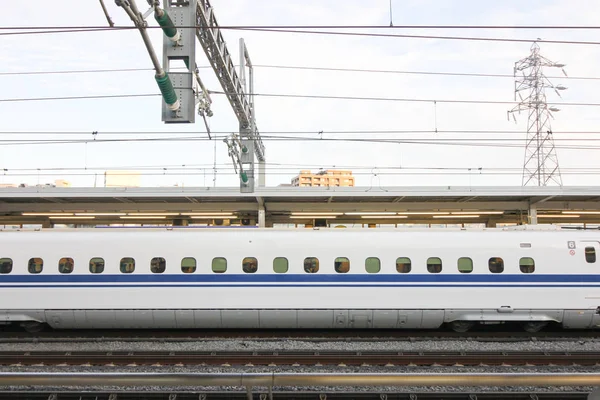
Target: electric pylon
x=541 y=162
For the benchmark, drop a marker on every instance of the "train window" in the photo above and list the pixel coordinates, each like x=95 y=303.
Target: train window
x=219 y=265
x=434 y=265
x=280 y=265
x=188 y=265
x=527 y=265
x=97 y=265
x=372 y=265
x=341 y=265
x=65 y=265
x=311 y=265
x=5 y=265
x=496 y=265
x=590 y=255
x=158 y=265
x=127 y=265
x=403 y=265
x=465 y=265
x=35 y=266
x=249 y=265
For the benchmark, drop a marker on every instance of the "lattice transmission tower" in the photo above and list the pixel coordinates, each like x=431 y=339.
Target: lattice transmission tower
x=540 y=167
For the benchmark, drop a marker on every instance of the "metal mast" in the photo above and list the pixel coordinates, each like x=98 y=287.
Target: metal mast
x=181 y=20
x=540 y=166
x=249 y=143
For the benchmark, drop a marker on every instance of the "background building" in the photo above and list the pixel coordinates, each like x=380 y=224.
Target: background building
x=122 y=179
x=330 y=177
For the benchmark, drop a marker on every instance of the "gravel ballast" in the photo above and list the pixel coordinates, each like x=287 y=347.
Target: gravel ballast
x=299 y=345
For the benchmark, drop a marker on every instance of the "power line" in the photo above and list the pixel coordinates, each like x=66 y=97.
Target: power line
x=88 y=97
x=326 y=26
x=81 y=71
x=395 y=173
x=283 y=132
x=302 y=96
x=276 y=166
x=467 y=38
x=475 y=143
x=278 y=29
x=330 y=97
x=272 y=136
x=292 y=67
x=384 y=71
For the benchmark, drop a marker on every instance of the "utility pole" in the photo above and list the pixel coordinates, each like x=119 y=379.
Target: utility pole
x=540 y=167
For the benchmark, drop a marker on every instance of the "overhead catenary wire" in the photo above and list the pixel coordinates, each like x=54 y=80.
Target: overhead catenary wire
x=301 y=67
x=86 y=97
x=294 y=30
x=298 y=95
x=366 y=173
x=396 y=99
x=278 y=167
x=323 y=26
x=313 y=132
x=474 y=143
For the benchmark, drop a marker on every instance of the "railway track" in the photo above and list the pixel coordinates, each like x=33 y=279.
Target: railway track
x=8 y=335
x=297 y=358
x=296 y=395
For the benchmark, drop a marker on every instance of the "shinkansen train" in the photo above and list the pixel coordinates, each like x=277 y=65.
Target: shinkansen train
x=299 y=278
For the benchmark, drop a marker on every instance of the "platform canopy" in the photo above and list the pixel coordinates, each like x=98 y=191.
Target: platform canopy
x=489 y=205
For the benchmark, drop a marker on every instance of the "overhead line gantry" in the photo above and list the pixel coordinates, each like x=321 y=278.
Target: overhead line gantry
x=181 y=93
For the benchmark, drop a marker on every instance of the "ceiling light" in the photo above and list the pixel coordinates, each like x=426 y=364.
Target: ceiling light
x=151 y=213
x=312 y=216
x=371 y=213
x=100 y=214
x=477 y=212
x=207 y=213
x=142 y=217
x=424 y=213
x=67 y=217
x=581 y=212
x=316 y=213
x=33 y=214
x=213 y=217
x=384 y=216
x=456 y=216
x=557 y=216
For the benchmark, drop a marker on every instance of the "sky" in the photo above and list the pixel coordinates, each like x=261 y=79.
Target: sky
x=191 y=162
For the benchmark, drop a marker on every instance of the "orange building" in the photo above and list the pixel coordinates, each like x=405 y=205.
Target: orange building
x=330 y=177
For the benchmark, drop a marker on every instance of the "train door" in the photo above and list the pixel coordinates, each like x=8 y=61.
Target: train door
x=591 y=255
x=589 y=250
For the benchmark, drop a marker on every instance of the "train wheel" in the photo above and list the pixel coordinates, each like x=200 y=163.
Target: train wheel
x=534 y=326
x=33 y=326
x=461 y=326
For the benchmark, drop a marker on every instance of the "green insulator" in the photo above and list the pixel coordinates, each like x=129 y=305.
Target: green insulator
x=167 y=25
x=166 y=88
x=244 y=149
x=244 y=177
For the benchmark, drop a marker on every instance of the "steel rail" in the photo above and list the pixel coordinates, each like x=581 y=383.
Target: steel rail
x=446 y=358
x=291 y=395
x=271 y=380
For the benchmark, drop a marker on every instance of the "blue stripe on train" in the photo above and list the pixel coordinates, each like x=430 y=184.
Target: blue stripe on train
x=307 y=279
x=262 y=285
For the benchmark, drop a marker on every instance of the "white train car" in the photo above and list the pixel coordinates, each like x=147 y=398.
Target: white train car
x=320 y=278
